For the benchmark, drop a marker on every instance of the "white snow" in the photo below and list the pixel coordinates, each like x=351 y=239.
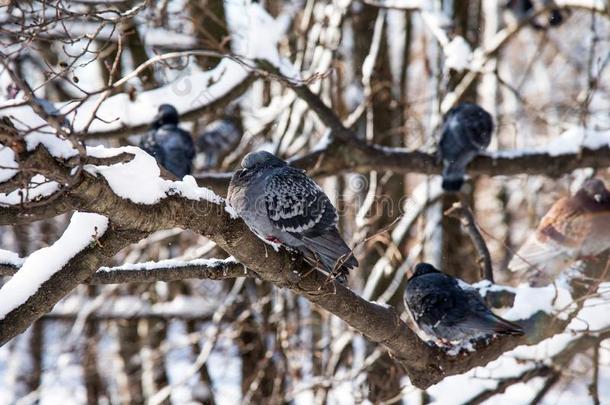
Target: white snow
x=594 y=314
x=40 y=187
x=37 y=130
x=10 y=258
x=169 y=264
x=84 y=228
x=7 y=160
x=576 y=138
x=457 y=54
x=530 y=300
x=60 y=148
x=138 y=180
x=571 y=141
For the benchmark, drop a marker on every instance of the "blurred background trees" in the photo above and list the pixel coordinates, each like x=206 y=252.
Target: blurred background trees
x=389 y=73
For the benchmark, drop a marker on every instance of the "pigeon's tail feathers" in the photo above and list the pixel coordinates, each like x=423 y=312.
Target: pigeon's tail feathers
x=491 y=323
x=453 y=177
x=504 y=327
x=332 y=251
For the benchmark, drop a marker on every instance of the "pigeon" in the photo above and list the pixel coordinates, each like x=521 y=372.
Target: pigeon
x=521 y=9
x=219 y=139
x=282 y=205
x=449 y=310
x=171 y=146
x=574 y=228
x=467 y=131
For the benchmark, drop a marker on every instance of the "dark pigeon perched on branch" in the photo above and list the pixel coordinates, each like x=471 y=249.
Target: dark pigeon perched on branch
x=280 y=204
x=575 y=227
x=467 y=131
x=443 y=309
x=219 y=139
x=171 y=146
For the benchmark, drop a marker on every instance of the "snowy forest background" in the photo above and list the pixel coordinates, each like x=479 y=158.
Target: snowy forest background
x=354 y=92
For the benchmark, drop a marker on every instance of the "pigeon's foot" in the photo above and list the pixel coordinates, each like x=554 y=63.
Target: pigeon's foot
x=273 y=239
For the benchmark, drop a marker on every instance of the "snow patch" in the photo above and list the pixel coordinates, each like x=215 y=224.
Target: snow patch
x=457 y=54
x=571 y=141
x=40 y=187
x=84 y=228
x=10 y=258
x=169 y=264
x=138 y=180
x=7 y=161
x=530 y=300
x=59 y=148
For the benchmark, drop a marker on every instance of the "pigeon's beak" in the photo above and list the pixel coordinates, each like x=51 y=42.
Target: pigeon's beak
x=598 y=198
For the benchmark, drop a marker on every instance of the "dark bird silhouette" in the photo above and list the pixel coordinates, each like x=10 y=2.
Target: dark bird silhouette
x=219 y=139
x=575 y=227
x=443 y=309
x=171 y=146
x=521 y=9
x=467 y=131
x=281 y=204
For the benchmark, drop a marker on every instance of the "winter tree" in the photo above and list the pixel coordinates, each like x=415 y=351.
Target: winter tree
x=126 y=277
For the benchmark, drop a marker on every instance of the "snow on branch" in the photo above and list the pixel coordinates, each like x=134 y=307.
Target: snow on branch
x=170 y=270
x=49 y=274
x=84 y=229
x=150 y=272
x=192 y=94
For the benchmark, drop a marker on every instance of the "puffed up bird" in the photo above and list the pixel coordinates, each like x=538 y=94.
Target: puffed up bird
x=521 y=9
x=170 y=145
x=281 y=204
x=448 y=312
x=575 y=227
x=467 y=131
x=219 y=139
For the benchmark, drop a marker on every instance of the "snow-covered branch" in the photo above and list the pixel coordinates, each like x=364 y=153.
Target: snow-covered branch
x=150 y=272
x=51 y=273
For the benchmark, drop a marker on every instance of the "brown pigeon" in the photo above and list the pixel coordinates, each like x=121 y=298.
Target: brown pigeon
x=576 y=227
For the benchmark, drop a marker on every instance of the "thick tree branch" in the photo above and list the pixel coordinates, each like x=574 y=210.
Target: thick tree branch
x=380 y=324
x=357 y=157
x=65 y=280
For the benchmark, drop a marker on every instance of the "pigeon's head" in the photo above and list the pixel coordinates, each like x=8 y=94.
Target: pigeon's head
x=474 y=120
x=424 y=268
x=261 y=159
x=596 y=190
x=166 y=114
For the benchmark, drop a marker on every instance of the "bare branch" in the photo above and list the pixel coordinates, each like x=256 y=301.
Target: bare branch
x=462 y=213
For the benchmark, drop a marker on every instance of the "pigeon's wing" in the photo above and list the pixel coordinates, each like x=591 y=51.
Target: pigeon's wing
x=187 y=144
x=177 y=150
x=549 y=250
x=149 y=144
x=296 y=204
x=480 y=318
x=432 y=299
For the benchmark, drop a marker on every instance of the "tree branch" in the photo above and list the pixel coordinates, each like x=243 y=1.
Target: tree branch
x=169 y=270
x=65 y=280
x=462 y=213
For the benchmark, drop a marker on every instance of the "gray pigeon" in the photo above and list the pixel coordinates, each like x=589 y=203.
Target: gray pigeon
x=219 y=139
x=467 y=131
x=280 y=204
x=449 y=312
x=170 y=145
